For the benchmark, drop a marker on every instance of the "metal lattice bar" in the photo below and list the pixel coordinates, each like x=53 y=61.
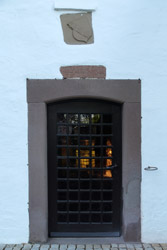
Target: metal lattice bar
x=84 y=201
x=83 y=148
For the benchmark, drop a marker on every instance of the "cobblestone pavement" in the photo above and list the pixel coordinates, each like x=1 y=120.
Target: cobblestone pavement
x=83 y=247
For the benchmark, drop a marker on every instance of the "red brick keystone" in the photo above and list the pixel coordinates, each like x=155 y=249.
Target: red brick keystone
x=98 y=72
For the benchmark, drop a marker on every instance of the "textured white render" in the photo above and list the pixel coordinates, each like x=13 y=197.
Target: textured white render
x=131 y=41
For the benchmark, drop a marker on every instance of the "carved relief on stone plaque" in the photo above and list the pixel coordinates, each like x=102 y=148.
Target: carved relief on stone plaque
x=77 y=28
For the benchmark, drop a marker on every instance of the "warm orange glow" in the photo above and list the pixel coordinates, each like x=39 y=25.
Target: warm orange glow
x=84 y=163
x=108 y=173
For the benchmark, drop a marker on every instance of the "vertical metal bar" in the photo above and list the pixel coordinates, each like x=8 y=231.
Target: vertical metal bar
x=90 y=165
x=56 y=186
x=67 y=160
x=79 y=172
x=101 y=165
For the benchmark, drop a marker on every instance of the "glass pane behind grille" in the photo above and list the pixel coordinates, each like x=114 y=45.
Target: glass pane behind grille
x=84 y=161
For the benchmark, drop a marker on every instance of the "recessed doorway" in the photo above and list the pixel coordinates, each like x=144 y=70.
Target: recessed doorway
x=127 y=94
x=84 y=168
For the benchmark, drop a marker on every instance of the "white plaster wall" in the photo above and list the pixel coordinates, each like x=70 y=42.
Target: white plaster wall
x=130 y=40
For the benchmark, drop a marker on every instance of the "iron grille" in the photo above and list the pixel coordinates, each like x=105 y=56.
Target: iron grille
x=84 y=173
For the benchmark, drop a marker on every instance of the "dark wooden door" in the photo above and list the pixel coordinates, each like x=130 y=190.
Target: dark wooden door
x=84 y=168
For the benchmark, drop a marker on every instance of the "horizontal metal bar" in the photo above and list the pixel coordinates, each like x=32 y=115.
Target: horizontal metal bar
x=85 y=212
x=83 y=146
x=77 y=168
x=74 y=157
x=84 y=124
x=85 y=113
x=87 y=234
x=86 y=201
x=85 y=223
x=86 y=190
x=85 y=179
x=95 y=135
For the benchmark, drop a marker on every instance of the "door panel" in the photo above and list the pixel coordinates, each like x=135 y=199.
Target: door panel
x=84 y=168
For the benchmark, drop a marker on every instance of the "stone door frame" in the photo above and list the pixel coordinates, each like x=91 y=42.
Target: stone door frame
x=41 y=92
